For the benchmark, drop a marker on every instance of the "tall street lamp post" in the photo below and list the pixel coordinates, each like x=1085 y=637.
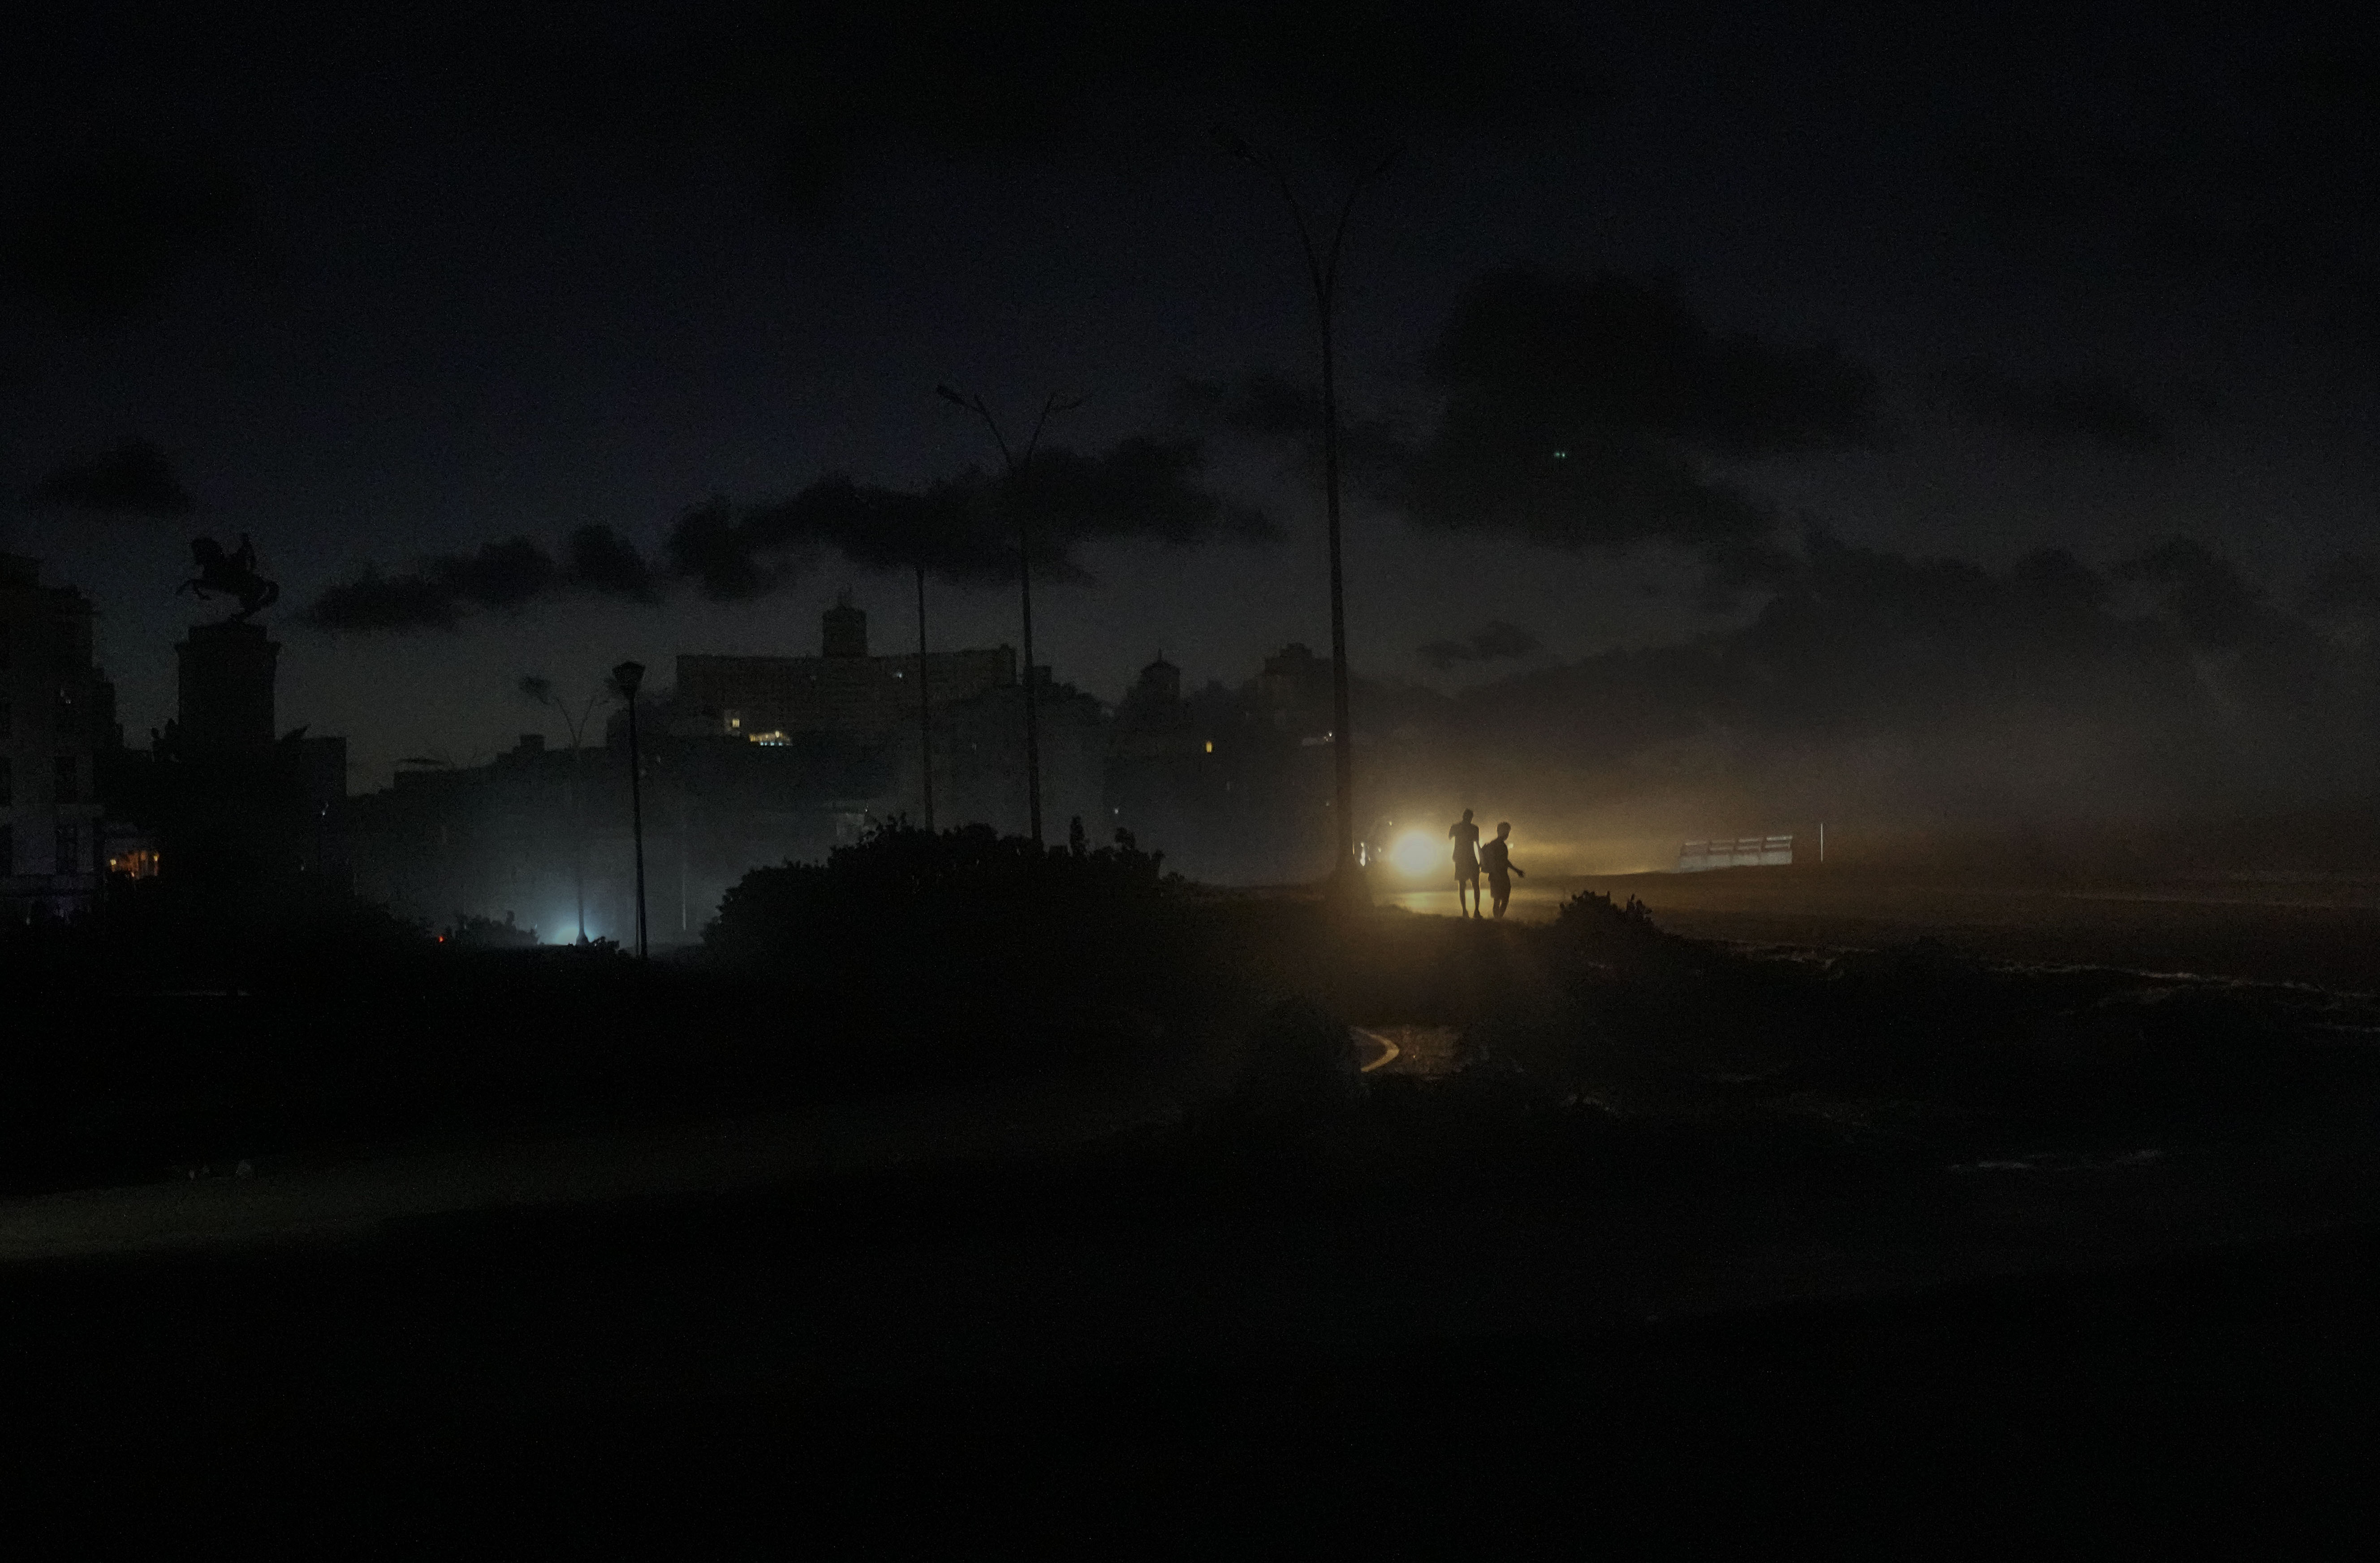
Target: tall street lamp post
x=626 y=678
x=1322 y=271
x=925 y=707
x=1015 y=463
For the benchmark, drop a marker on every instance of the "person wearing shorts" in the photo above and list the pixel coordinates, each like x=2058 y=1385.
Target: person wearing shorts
x=1466 y=863
x=1496 y=858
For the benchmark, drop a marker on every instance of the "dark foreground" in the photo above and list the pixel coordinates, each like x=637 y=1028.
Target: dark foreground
x=1889 y=1246
x=899 y=1365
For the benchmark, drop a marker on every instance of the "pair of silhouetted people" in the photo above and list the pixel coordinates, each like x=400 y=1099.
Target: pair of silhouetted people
x=1471 y=859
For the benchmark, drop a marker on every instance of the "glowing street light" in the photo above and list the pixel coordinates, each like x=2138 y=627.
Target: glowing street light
x=1416 y=854
x=540 y=689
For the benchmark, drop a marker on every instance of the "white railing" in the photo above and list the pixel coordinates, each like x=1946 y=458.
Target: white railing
x=1743 y=851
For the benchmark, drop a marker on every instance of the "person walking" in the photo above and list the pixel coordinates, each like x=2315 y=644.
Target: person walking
x=1497 y=858
x=1466 y=863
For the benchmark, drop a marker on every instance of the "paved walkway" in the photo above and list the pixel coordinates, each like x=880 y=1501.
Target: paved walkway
x=330 y=1197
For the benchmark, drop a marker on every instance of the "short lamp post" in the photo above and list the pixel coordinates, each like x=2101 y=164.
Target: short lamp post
x=626 y=678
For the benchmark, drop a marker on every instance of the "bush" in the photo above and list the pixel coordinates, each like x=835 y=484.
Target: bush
x=472 y=932
x=1302 y=1061
x=938 y=904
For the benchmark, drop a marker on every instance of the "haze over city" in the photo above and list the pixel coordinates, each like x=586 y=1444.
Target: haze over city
x=385 y=294
x=1196 y=779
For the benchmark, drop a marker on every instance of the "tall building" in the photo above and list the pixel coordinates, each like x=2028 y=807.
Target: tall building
x=843 y=690
x=57 y=720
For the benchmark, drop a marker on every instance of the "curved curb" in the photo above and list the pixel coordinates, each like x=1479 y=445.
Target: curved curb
x=1389 y=1051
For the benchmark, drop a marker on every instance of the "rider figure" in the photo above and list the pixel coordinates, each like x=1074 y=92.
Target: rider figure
x=233 y=574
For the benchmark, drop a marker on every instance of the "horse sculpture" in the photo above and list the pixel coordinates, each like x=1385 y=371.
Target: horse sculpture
x=232 y=574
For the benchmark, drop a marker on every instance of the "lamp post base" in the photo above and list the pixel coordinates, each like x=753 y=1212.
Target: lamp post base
x=1349 y=888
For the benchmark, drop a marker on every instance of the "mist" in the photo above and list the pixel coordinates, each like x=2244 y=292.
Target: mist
x=1929 y=710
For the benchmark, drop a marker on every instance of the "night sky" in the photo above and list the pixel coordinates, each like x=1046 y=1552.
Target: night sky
x=1938 y=283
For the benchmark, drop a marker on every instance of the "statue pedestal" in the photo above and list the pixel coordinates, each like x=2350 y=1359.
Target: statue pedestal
x=226 y=689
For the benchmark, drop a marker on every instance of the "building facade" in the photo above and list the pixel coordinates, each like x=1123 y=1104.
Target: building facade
x=749 y=760
x=1234 y=785
x=843 y=690
x=545 y=837
x=58 y=730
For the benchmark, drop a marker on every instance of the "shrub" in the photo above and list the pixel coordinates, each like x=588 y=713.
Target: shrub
x=1302 y=1060
x=941 y=905
x=473 y=932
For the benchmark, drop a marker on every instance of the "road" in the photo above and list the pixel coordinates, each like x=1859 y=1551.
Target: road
x=2325 y=932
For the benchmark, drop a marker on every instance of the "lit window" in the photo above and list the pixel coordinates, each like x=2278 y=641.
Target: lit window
x=1210 y=746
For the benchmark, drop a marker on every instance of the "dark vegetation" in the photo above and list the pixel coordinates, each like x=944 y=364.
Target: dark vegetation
x=965 y=962
x=178 y=1034
x=1315 y=1299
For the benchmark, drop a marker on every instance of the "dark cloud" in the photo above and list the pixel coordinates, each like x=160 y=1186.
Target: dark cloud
x=1584 y=411
x=601 y=560
x=133 y=479
x=709 y=544
x=1258 y=402
x=964 y=527
x=373 y=601
x=1494 y=642
x=1577 y=412
x=2082 y=409
x=99 y=236
x=1262 y=404
x=2267 y=653
x=1582 y=354
x=442 y=590
x=1946 y=695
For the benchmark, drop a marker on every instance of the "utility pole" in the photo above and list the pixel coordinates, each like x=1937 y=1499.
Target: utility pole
x=1015 y=465
x=626 y=678
x=925 y=707
x=1322 y=271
